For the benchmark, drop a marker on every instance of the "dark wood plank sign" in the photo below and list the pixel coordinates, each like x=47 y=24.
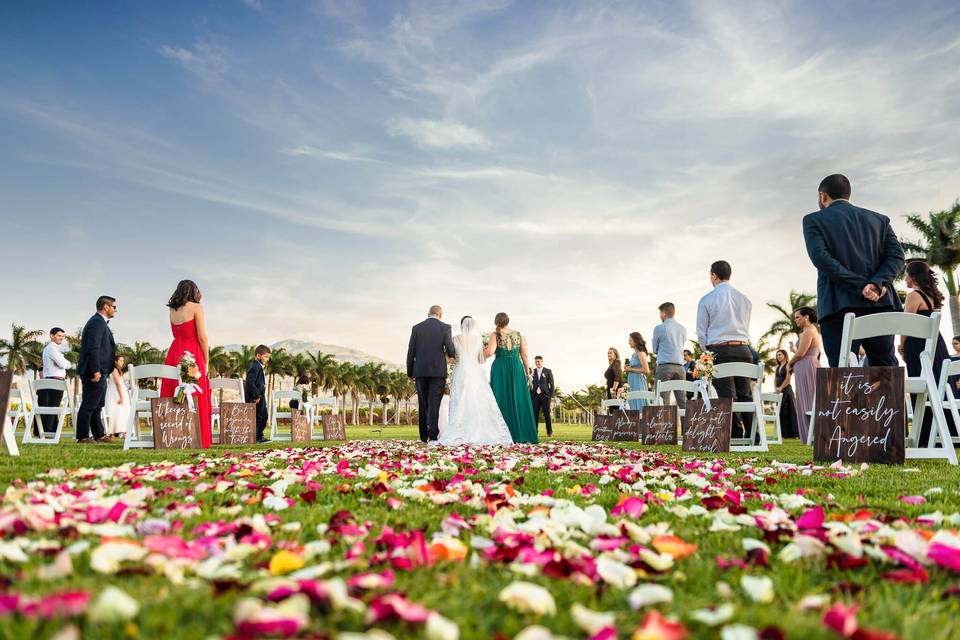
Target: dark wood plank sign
x=708 y=431
x=660 y=424
x=333 y=428
x=860 y=415
x=6 y=381
x=299 y=426
x=620 y=426
x=174 y=425
x=238 y=423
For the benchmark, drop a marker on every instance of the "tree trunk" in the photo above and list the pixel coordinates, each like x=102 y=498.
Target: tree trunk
x=954 y=302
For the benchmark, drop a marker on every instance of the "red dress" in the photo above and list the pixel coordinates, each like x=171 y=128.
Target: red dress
x=185 y=339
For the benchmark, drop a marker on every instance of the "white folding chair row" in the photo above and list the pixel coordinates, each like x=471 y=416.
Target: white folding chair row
x=275 y=398
x=774 y=400
x=140 y=401
x=925 y=385
x=35 y=413
x=234 y=385
x=754 y=406
x=948 y=394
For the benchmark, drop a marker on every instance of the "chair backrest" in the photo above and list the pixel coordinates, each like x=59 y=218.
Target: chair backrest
x=228 y=384
x=738 y=370
x=48 y=383
x=666 y=386
x=291 y=394
x=775 y=398
x=641 y=395
x=144 y=371
x=912 y=325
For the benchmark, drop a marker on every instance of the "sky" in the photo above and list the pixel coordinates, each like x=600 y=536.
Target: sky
x=328 y=170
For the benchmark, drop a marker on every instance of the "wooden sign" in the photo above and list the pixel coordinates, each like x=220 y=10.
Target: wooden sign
x=238 y=423
x=299 y=426
x=174 y=425
x=860 y=415
x=333 y=428
x=621 y=426
x=660 y=424
x=708 y=431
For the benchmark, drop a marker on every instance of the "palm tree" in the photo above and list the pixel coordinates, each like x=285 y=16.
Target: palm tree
x=242 y=358
x=141 y=353
x=939 y=246
x=321 y=369
x=280 y=364
x=221 y=362
x=784 y=325
x=21 y=351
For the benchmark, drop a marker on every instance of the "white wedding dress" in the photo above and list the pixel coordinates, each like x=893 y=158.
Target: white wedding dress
x=475 y=417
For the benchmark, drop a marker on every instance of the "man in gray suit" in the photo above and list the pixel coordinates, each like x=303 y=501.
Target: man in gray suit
x=431 y=343
x=857 y=256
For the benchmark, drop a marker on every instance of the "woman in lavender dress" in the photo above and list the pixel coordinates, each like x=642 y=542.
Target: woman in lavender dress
x=804 y=365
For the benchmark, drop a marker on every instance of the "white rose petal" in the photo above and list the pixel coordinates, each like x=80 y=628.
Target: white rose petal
x=813 y=601
x=113 y=605
x=738 y=632
x=534 y=632
x=12 y=552
x=529 y=597
x=275 y=503
x=440 y=628
x=107 y=557
x=759 y=588
x=648 y=594
x=589 y=620
x=713 y=617
x=616 y=573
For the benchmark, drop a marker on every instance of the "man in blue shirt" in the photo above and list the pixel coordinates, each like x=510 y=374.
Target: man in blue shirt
x=669 y=338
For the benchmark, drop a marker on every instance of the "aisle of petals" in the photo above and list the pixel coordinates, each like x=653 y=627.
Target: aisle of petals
x=224 y=523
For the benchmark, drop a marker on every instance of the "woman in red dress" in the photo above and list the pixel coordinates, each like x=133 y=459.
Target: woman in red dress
x=190 y=334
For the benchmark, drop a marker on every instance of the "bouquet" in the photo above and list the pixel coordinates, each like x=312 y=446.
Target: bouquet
x=189 y=379
x=622 y=392
x=703 y=369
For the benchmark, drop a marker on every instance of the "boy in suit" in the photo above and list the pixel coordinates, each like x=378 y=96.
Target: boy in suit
x=255 y=388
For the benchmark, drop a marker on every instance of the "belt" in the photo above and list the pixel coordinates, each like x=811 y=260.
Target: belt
x=51 y=378
x=730 y=343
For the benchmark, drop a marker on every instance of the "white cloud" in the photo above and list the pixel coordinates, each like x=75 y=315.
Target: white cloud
x=204 y=59
x=313 y=152
x=440 y=134
x=256 y=5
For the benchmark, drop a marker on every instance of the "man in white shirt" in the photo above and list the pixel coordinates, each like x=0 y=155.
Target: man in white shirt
x=55 y=366
x=723 y=328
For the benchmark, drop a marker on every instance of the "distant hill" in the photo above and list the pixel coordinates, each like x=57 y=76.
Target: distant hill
x=343 y=354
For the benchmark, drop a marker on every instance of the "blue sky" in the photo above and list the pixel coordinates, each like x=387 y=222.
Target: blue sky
x=328 y=170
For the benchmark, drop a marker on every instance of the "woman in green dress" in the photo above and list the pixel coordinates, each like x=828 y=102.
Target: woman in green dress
x=509 y=381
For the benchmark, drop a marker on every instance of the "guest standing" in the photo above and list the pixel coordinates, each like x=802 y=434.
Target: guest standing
x=189 y=327
x=542 y=394
x=804 y=364
x=723 y=327
x=55 y=366
x=116 y=406
x=924 y=298
x=97 y=348
x=255 y=388
x=637 y=369
x=508 y=379
x=667 y=342
x=857 y=256
x=614 y=373
x=788 y=405
x=688 y=365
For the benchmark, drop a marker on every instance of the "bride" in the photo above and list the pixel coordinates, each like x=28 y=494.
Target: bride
x=474 y=415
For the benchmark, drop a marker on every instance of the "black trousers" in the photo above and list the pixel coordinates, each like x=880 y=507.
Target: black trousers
x=88 y=415
x=736 y=388
x=261 y=418
x=541 y=402
x=48 y=398
x=429 y=396
x=879 y=350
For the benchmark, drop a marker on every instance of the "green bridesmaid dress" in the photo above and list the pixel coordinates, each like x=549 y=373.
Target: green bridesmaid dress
x=509 y=383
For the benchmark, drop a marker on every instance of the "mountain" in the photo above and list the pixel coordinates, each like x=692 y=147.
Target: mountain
x=342 y=354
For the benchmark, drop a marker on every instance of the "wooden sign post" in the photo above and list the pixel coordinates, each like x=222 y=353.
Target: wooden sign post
x=238 y=423
x=621 y=426
x=299 y=426
x=333 y=428
x=708 y=431
x=9 y=440
x=660 y=424
x=175 y=426
x=860 y=415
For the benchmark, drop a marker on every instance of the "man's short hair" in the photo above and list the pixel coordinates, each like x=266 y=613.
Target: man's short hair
x=261 y=349
x=668 y=309
x=56 y=330
x=435 y=310
x=721 y=269
x=957 y=338
x=687 y=352
x=104 y=301
x=836 y=186
x=538 y=357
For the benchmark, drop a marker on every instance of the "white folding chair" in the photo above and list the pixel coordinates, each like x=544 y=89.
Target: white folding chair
x=275 y=398
x=669 y=387
x=948 y=394
x=754 y=406
x=649 y=396
x=16 y=408
x=773 y=400
x=911 y=325
x=6 y=426
x=140 y=401
x=61 y=411
x=235 y=387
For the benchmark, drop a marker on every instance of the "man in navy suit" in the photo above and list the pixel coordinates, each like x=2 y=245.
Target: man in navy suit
x=431 y=343
x=255 y=388
x=857 y=256
x=541 y=393
x=97 y=350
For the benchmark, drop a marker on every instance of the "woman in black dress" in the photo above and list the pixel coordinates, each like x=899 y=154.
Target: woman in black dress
x=614 y=373
x=924 y=299
x=788 y=411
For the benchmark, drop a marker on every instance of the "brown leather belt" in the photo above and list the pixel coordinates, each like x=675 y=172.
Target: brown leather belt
x=731 y=343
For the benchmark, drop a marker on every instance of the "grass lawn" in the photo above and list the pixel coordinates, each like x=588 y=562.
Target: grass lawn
x=317 y=542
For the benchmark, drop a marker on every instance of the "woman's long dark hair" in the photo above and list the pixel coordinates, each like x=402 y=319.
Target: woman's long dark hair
x=786 y=357
x=187 y=291
x=926 y=281
x=810 y=314
x=501 y=320
x=639 y=341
